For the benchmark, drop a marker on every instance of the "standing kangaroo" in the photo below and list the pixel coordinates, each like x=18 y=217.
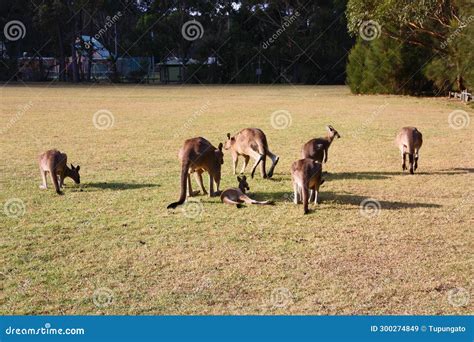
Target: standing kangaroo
x=306 y=174
x=55 y=163
x=251 y=142
x=409 y=141
x=317 y=149
x=198 y=155
x=237 y=196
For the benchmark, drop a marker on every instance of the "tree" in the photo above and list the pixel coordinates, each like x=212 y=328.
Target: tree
x=426 y=27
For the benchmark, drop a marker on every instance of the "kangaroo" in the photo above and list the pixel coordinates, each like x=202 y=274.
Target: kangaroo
x=251 y=142
x=237 y=196
x=306 y=174
x=198 y=155
x=317 y=149
x=55 y=162
x=409 y=141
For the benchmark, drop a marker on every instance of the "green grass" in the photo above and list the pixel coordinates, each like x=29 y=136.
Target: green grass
x=114 y=232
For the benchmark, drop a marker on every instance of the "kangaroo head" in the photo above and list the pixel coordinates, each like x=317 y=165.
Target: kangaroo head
x=74 y=174
x=219 y=154
x=243 y=185
x=332 y=133
x=229 y=142
x=219 y=160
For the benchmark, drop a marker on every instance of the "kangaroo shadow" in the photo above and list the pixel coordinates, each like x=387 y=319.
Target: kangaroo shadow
x=374 y=175
x=356 y=200
x=118 y=185
x=461 y=170
x=359 y=175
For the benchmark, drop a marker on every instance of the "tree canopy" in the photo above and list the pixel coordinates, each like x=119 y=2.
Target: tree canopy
x=416 y=47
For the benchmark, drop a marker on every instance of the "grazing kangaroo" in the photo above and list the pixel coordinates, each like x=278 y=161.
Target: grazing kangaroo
x=306 y=174
x=409 y=141
x=237 y=196
x=198 y=155
x=317 y=149
x=55 y=163
x=251 y=142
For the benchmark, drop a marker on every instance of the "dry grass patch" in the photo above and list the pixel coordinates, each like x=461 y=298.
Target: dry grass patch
x=115 y=233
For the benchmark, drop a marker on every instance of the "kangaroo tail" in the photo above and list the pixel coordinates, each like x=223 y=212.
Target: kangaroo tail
x=305 y=196
x=410 y=158
x=264 y=202
x=184 y=183
x=255 y=166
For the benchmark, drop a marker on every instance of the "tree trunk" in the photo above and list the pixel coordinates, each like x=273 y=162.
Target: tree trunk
x=62 y=56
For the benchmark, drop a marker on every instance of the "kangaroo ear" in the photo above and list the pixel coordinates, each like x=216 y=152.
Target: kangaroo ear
x=78 y=168
x=239 y=179
x=72 y=166
x=244 y=177
x=228 y=135
x=329 y=128
x=220 y=147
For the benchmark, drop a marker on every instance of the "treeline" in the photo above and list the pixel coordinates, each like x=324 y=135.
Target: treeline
x=411 y=47
x=239 y=42
x=375 y=46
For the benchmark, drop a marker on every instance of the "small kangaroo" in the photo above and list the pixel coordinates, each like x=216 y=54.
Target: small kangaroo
x=198 y=155
x=55 y=162
x=237 y=196
x=317 y=149
x=409 y=141
x=251 y=142
x=306 y=174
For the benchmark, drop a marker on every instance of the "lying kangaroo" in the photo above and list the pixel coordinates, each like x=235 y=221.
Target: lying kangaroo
x=198 y=155
x=306 y=174
x=251 y=142
x=237 y=196
x=317 y=149
x=409 y=141
x=55 y=163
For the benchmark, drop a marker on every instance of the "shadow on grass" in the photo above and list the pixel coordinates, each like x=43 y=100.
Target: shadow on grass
x=462 y=169
x=351 y=199
x=369 y=175
x=328 y=197
x=118 y=185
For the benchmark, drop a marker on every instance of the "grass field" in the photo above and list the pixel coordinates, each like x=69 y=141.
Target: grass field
x=110 y=246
